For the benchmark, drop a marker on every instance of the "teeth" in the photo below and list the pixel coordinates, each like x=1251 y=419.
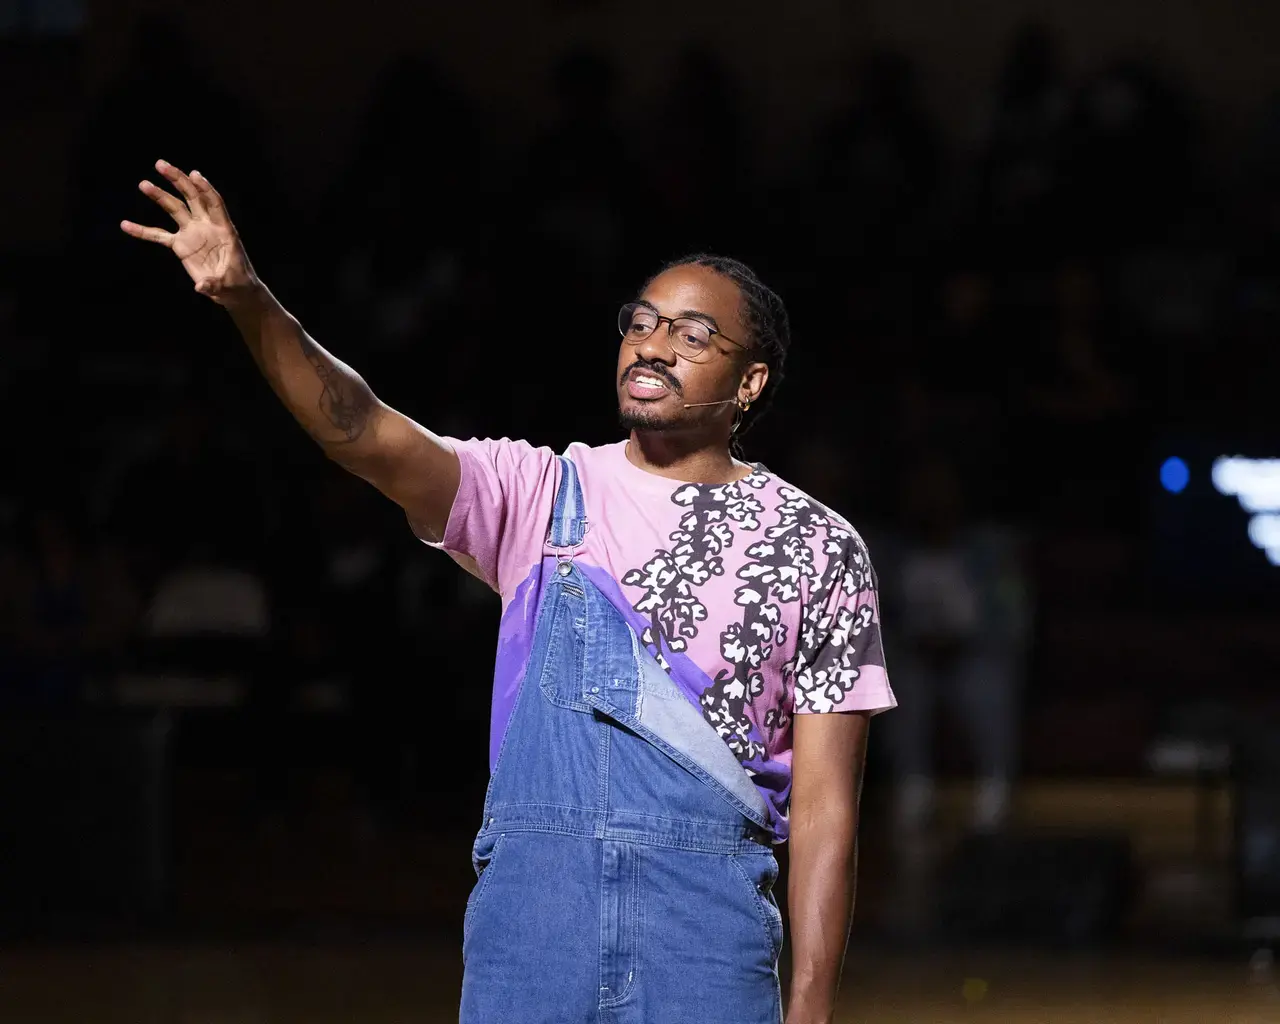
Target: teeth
x=652 y=382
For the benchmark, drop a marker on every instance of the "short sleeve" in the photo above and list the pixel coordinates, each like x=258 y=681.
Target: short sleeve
x=498 y=523
x=840 y=664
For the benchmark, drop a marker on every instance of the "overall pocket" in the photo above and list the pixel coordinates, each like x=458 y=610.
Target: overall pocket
x=560 y=674
x=483 y=856
x=759 y=874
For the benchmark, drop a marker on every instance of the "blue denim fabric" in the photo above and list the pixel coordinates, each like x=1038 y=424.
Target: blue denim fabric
x=624 y=872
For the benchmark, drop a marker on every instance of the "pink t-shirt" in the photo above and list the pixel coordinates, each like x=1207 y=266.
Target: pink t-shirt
x=759 y=602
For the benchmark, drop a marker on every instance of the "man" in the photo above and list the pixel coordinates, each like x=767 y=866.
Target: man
x=688 y=657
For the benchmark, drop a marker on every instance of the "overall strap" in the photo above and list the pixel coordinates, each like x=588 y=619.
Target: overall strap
x=569 y=517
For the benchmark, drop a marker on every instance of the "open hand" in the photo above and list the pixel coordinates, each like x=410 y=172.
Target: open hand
x=206 y=241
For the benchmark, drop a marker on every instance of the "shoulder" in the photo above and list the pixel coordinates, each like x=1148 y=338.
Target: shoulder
x=518 y=465
x=599 y=458
x=581 y=453
x=512 y=467
x=803 y=512
x=500 y=449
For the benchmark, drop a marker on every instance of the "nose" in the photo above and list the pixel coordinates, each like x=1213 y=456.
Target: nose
x=657 y=347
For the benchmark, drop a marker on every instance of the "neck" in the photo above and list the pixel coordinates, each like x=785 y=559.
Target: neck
x=681 y=457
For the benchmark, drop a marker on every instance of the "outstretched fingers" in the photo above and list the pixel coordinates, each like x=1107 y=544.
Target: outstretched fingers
x=158 y=235
x=211 y=199
x=182 y=183
x=170 y=204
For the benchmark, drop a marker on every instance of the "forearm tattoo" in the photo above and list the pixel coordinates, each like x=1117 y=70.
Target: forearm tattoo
x=345 y=401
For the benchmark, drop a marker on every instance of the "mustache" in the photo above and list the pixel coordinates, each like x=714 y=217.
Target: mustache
x=655 y=370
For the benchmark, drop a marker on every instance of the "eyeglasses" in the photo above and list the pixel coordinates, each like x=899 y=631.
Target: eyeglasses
x=690 y=339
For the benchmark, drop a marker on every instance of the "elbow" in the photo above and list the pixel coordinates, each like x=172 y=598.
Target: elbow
x=833 y=823
x=351 y=439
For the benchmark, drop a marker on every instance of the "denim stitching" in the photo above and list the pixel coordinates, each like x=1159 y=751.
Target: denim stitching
x=634 y=946
x=482 y=884
x=764 y=912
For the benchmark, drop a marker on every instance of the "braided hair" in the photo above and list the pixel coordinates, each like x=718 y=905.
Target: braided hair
x=764 y=315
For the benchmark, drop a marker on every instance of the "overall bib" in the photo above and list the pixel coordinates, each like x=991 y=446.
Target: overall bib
x=624 y=866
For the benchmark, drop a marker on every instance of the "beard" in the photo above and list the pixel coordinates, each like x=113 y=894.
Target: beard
x=647 y=419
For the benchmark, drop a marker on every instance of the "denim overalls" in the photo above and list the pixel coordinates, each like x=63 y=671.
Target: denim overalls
x=624 y=867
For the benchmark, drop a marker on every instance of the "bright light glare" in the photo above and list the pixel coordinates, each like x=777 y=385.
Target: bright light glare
x=1255 y=483
x=1264 y=531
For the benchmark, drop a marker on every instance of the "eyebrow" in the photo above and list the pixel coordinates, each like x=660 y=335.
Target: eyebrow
x=687 y=314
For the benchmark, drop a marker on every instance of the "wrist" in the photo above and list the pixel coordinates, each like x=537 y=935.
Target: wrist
x=807 y=1006
x=798 y=1015
x=803 y=1015
x=250 y=298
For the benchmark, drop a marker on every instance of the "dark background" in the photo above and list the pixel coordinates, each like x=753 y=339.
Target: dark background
x=1034 y=244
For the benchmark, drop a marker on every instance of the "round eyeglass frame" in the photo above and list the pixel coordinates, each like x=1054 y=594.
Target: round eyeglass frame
x=627 y=312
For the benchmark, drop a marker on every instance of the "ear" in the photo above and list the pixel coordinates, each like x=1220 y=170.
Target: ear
x=754 y=377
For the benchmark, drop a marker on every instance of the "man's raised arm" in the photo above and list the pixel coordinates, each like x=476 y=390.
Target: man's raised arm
x=404 y=460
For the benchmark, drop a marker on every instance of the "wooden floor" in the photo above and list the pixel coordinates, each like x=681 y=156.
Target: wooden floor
x=416 y=983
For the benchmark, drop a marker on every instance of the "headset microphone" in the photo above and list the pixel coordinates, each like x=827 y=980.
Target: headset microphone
x=700 y=405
